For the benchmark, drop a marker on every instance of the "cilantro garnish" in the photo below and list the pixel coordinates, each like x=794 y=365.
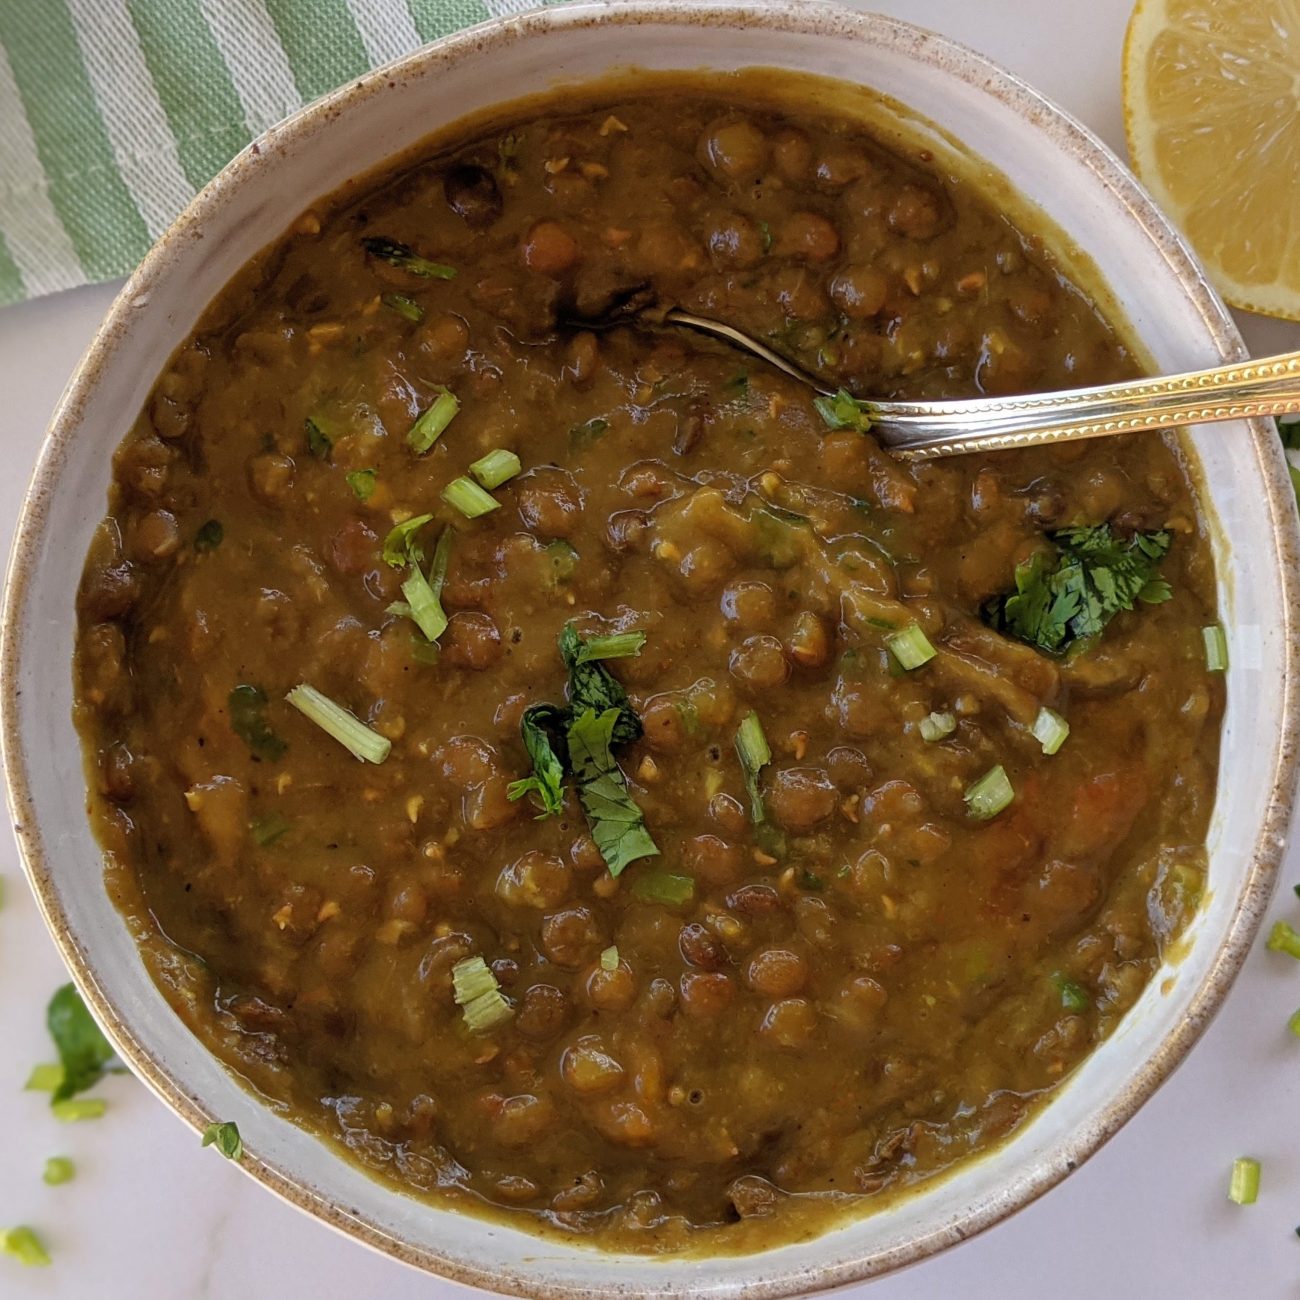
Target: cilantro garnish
x=225 y=1137
x=538 y=725
x=1070 y=597
x=389 y=250
x=83 y=1049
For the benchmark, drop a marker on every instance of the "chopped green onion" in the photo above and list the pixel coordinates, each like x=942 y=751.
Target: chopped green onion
x=1282 y=938
x=564 y=561
x=209 y=536
x=424 y=651
x=609 y=958
x=47 y=1077
x=755 y=754
x=389 y=250
x=426 y=610
x=911 y=647
x=1294 y=1024
x=400 y=546
x=59 y=1169
x=1050 y=730
x=937 y=725
x=225 y=1137
x=621 y=645
x=1243 y=1189
x=1216 y=648
x=478 y=995
x=336 y=721
x=465 y=495
x=72 y=1109
x=990 y=794
x=493 y=469
x=266 y=830
x=843 y=411
x=25 y=1246
x=663 y=887
x=583 y=435
x=428 y=428
x=362 y=483
x=1073 y=996
x=319 y=443
x=404 y=306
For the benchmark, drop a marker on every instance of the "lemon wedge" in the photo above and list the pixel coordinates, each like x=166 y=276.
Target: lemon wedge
x=1212 y=115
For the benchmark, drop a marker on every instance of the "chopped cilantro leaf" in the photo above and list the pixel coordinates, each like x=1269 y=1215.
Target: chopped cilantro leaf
x=843 y=411
x=83 y=1049
x=616 y=823
x=537 y=726
x=593 y=686
x=247 y=705
x=1071 y=597
x=389 y=250
x=225 y=1137
x=362 y=483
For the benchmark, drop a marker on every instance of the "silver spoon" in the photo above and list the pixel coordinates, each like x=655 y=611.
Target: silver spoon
x=1269 y=386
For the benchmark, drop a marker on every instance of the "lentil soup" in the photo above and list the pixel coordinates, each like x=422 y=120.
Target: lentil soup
x=741 y=825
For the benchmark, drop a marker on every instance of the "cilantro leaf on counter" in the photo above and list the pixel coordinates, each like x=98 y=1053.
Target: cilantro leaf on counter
x=1070 y=597
x=617 y=824
x=83 y=1050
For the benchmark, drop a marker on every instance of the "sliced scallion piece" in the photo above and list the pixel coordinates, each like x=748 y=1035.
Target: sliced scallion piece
x=362 y=483
x=465 y=495
x=936 y=726
x=1243 y=1187
x=663 y=887
x=425 y=608
x=72 y=1109
x=336 y=721
x=398 y=254
x=405 y=307
x=478 y=995
x=22 y=1244
x=47 y=1077
x=1294 y=1024
x=1282 y=938
x=1216 y=648
x=59 y=1169
x=609 y=958
x=990 y=794
x=401 y=546
x=619 y=645
x=1050 y=730
x=429 y=427
x=755 y=754
x=496 y=467
x=911 y=647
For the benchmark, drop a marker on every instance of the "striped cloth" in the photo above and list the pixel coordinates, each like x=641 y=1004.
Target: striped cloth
x=114 y=113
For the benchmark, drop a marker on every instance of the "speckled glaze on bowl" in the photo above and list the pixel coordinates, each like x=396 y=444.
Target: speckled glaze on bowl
x=1174 y=315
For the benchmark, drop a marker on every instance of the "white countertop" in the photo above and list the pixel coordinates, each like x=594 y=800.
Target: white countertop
x=152 y=1217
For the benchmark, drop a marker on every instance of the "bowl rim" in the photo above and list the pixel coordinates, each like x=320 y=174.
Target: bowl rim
x=810 y=17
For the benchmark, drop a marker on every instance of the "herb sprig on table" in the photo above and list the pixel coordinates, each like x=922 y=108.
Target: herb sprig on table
x=579 y=741
x=1071 y=596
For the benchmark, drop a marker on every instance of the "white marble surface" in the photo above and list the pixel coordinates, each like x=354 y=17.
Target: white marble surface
x=152 y=1217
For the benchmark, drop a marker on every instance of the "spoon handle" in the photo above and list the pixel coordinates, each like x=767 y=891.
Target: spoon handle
x=1268 y=386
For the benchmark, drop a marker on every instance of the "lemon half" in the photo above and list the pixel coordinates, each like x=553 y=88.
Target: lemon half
x=1212 y=115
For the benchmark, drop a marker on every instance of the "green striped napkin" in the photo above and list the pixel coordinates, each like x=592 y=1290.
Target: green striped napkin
x=113 y=113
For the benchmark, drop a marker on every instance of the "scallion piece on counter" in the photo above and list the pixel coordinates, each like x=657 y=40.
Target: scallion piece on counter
x=911 y=647
x=336 y=721
x=1294 y=1024
x=755 y=754
x=619 y=645
x=426 y=609
x=59 y=1169
x=609 y=958
x=47 y=1077
x=663 y=887
x=478 y=995
x=73 y=1109
x=25 y=1246
x=1243 y=1188
x=1050 y=730
x=496 y=467
x=1216 y=648
x=990 y=794
x=225 y=1137
x=1282 y=938
x=936 y=726
x=465 y=495
x=429 y=427
x=403 y=306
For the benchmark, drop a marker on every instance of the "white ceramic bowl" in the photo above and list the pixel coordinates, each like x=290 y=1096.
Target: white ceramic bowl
x=1174 y=314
